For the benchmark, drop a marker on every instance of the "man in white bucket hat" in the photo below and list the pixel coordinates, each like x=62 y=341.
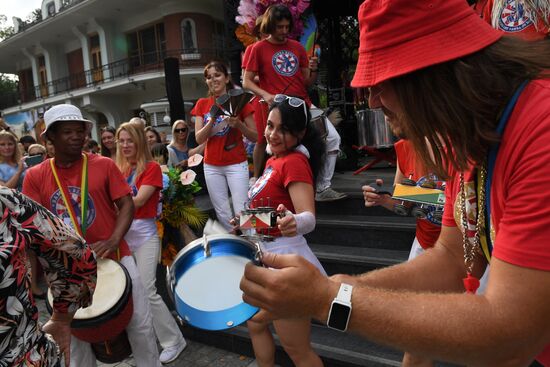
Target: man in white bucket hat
x=94 y=183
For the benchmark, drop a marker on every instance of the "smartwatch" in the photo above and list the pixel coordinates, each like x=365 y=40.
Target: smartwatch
x=340 y=309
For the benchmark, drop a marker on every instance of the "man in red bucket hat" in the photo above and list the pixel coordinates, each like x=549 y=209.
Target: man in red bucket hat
x=482 y=101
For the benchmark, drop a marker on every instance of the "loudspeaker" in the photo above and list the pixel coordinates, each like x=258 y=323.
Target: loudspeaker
x=173 y=88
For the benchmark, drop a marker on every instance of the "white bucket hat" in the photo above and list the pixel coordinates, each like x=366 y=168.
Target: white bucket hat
x=64 y=112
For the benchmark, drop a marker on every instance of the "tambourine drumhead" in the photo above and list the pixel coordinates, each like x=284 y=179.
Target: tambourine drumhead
x=111 y=284
x=316 y=112
x=206 y=288
x=213 y=285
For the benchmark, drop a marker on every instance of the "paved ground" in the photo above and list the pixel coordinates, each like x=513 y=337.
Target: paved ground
x=195 y=355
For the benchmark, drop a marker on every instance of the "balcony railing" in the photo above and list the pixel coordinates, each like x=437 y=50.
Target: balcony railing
x=121 y=69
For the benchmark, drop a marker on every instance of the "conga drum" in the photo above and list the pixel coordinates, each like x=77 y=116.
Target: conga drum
x=319 y=121
x=103 y=323
x=204 y=281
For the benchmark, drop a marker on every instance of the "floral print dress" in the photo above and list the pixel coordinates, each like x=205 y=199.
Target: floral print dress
x=70 y=268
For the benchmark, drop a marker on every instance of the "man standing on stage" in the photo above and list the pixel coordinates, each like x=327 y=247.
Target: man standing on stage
x=283 y=67
x=86 y=191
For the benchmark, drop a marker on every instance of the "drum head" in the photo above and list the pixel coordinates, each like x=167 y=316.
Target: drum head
x=110 y=287
x=206 y=289
x=315 y=113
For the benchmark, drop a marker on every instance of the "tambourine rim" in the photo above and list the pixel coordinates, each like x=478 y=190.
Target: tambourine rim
x=181 y=258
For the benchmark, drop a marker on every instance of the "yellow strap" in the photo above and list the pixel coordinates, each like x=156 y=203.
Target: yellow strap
x=66 y=200
x=483 y=231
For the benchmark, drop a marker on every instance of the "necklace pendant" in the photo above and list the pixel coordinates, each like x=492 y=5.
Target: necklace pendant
x=471 y=284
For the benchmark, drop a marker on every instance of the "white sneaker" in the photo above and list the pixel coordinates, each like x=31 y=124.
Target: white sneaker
x=170 y=354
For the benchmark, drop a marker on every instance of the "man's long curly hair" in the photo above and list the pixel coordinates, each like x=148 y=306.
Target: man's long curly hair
x=456 y=105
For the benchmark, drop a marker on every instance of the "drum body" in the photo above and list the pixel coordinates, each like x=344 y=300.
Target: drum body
x=110 y=312
x=372 y=129
x=319 y=121
x=204 y=280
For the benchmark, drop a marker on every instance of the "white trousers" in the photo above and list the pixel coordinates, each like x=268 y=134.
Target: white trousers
x=218 y=180
x=333 y=147
x=147 y=258
x=140 y=329
x=416 y=249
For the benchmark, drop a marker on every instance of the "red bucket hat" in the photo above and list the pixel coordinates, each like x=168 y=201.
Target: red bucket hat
x=401 y=36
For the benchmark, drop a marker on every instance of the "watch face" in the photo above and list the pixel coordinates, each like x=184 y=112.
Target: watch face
x=338 y=318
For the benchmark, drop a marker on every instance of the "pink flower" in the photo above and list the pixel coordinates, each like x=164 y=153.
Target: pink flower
x=187 y=177
x=194 y=160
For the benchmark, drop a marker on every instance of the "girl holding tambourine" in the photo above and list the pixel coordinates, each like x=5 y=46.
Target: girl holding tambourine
x=288 y=183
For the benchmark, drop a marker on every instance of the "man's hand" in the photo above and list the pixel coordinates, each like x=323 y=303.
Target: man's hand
x=104 y=249
x=297 y=290
x=314 y=63
x=372 y=198
x=61 y=333
x=268 y=98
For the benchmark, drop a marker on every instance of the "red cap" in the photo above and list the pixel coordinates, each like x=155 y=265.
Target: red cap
x=401 y=36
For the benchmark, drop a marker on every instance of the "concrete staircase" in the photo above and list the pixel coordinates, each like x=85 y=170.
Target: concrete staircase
x=348 y=238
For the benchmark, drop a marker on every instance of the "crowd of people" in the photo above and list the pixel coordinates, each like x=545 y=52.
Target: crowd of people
x=472 y=106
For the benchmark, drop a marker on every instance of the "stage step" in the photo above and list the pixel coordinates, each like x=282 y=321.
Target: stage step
x=335 y=348
x=355 y=260
x=390 y=233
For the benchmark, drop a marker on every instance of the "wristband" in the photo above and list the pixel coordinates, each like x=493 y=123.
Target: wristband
x=305 y=222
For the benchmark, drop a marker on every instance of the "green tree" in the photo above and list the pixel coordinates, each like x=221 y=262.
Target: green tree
x=5 y=30
x=7 y=84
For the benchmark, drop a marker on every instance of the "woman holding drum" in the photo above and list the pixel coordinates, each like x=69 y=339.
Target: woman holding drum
x=225 y=163
x=145 y=178
x=288 y=184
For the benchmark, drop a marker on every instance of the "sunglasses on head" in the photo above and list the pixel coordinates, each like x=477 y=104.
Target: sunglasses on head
x=292 y=101
x=182 y=130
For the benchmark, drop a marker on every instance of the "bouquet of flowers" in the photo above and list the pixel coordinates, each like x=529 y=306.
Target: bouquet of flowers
x=249 y=10
x=179 y=211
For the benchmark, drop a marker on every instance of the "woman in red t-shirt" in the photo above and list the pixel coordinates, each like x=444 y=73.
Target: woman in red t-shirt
x=145 y=179
x=288 y=185
x=225 y=163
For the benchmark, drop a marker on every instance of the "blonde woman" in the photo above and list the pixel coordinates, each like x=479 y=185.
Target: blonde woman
x=37 y=150
x=178 y=150
x=12 y=163
x=144 y=176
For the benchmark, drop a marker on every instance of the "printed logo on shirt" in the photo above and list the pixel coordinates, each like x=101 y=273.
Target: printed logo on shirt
x=260 y=184
x=58 y=206
x=514 y=17
x=285 y=63
x=134 y=190
x=219 y=127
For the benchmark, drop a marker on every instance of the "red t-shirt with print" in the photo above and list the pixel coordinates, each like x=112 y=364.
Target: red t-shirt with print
x=427 y=230
x=520 y=217
x=515 y=21
x=271 y=189
x=226 y=146
x=152 y=176
x=105 y=185
x=279 y=67
x=260 y=108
